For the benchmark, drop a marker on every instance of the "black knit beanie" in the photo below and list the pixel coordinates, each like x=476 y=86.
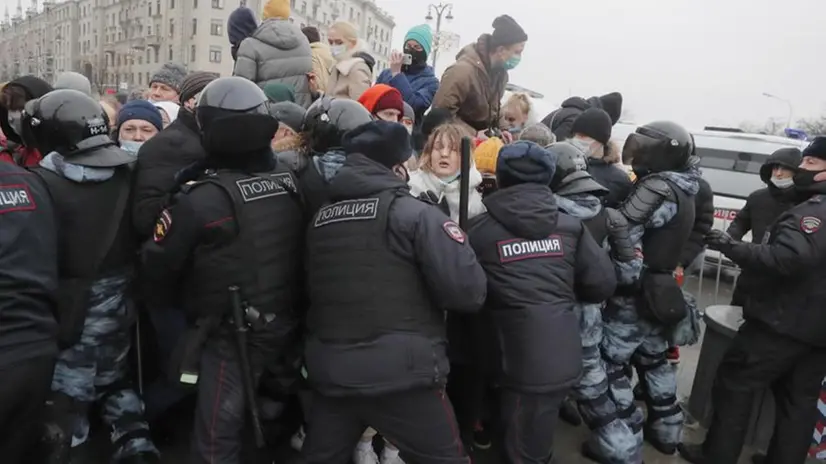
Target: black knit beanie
x=594 y=123
x=507 y=32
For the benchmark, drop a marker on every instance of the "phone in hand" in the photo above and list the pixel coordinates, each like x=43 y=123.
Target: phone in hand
x=407 y=59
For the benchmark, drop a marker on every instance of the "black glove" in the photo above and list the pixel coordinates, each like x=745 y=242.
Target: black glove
x=719 y=240
x=433 y=199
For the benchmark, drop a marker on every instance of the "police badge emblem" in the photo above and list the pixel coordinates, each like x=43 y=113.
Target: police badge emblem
x=162 y=226
x=810 y=224
x=454 y=232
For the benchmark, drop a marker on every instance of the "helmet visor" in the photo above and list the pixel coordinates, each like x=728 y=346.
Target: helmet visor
x=640 y=147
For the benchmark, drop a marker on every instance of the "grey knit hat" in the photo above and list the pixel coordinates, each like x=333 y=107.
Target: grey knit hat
x=194 y=83
x=74 y=81
x=289 y=114
x=538 y=134
x=171 y=74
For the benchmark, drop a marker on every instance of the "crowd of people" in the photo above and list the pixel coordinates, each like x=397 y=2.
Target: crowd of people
x=293 y=244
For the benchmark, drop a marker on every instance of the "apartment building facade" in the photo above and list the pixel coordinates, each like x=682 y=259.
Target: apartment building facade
x=120 y=43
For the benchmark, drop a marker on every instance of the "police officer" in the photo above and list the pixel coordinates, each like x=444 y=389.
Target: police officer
x=539 y=263
x=238 y=225
x=580 y=196
x=383 y=267
x=89 y=180
x=640 y=318
x=28 y=346
x=782 y=344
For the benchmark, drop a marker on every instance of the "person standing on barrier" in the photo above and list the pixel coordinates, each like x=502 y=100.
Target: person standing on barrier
x=782 y=344
x=580 y=196
x=89 y=179
x=383 y=266
x=236 y=230
x=539 y=263
x=639 y=319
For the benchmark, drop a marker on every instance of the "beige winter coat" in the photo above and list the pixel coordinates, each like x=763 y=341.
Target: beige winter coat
x=351 y=75
x=322 y=64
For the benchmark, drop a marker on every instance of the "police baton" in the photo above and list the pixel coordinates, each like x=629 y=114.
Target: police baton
x=464 y=183
x=138 y=352
x=240 y=322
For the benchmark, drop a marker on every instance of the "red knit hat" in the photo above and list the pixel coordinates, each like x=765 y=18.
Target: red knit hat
x=382 y=97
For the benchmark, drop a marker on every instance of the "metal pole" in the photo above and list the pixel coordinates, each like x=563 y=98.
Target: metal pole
x=438 y=28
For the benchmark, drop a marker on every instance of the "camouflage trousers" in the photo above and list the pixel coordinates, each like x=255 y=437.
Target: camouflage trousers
x=628 y=338
x=611 y=438
x=96 y=370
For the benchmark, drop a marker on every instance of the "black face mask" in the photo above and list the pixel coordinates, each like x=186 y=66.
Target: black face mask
x=419 y=56
x=804 y=179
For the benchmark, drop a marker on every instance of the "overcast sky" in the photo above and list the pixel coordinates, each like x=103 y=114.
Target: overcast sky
x=698 y=62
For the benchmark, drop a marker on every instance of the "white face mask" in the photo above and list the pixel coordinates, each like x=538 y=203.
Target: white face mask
x=782 y=183
x=131 y=147
x=338 y=50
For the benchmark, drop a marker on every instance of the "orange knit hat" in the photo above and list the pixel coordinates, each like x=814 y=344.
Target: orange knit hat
x=486 y=155
x=382 y=97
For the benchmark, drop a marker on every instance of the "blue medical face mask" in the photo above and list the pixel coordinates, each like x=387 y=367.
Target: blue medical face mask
x=512 y=62
x=131 y=146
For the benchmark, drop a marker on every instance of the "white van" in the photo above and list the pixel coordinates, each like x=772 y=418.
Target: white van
x=730 y=161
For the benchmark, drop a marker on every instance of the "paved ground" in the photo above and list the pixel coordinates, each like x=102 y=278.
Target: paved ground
x=569 y=438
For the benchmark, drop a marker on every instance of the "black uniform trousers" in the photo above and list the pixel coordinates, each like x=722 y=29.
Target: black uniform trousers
x=529 y=421
x=420 y=422
x=760 y=358
x=24 y=388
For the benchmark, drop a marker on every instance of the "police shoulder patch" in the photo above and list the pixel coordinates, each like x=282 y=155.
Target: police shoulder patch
x=16 y=197
x=162 y=226
x=258 y=188
x=454 y=231
x=348 y=210
x=810 y=224
x=520 y=249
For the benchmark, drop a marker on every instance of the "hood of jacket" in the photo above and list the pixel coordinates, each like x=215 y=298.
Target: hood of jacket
x=35 y=88
x=477 y=53
x=419 y=72
x=578 y=103
x=580 y=205
x=785 y=157
x=527 y=210
x=360 y=177
x=422 y=181
x=280 y=33
x=55 y=163
x=322 y=50
x=688 y=181
x=353 y=57
x=240 y=25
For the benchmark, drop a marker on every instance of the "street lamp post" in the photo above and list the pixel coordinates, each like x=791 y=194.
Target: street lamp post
x=787 y=102
x=440 y=9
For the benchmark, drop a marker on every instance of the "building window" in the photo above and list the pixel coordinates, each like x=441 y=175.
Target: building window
x=171 y=28
x=171 y=4
x=158 y=7
x=303 y=8
x=194 y=4
x=216 y=27
x=157 y=55
x=148 y=58
x=218 y=4
x=351 y=13
x=214 y=54
x=194 y=26
x=140 y=79
x=170 y=53
x=192 y=54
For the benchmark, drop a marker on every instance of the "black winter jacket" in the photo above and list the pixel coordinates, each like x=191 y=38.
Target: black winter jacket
x=160 y=159
x=703 y=222
x=613 y=178
x=561 y=120
x=539 y=263
x=788 y=274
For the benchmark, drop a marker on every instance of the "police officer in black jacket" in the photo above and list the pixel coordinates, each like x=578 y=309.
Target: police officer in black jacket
x=540 y=262
x=782 y=344
x=239 y=224
x=28 y=342
x=383 y=267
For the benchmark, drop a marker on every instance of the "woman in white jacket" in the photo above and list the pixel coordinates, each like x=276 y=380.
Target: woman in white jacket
x=439 y=169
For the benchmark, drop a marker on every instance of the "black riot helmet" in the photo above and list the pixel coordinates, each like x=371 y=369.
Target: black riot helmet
x=234 y=118
x=657 y=147
x=73 y=125
x=571 y=175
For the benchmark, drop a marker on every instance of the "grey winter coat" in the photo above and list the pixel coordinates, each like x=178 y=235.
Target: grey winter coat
x=277 y=52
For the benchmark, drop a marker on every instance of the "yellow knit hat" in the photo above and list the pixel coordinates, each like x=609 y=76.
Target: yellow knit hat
x=486 y=154
x=277 y=9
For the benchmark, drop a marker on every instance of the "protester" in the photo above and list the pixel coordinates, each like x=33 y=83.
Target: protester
x=550 y=261
x=290 y=118
x=481 y=69
x=28 y=345
x=352 y=73
x=591 y=133
x=561 y=120
x=408 y=118
x=75 y=81
x=277 y=52
x=538 y=134
x=780 y=346
x=322 y=59
x=89 y=180
x=277 y=92
x=13 y=97
x=138 y=121
x=169 y=112
x=438 y=176
x=165 y=84
x=111 y=107
x=516 y=114
x=416 y=81
x=426 y=268
x=383 y=102
x=240 y=25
